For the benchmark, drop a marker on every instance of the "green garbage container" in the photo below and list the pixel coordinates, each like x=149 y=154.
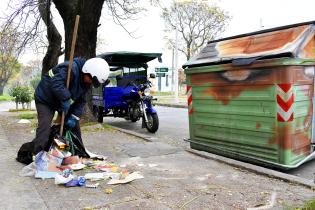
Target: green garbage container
x=250 y=97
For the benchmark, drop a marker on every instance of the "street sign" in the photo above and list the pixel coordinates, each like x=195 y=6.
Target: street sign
x=159 y=74
x=161 y=69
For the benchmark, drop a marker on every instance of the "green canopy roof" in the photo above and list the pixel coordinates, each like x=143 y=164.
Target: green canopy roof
x=129 y=59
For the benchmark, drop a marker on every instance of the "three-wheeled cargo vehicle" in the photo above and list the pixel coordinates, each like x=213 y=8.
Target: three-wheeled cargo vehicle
x=126 y=94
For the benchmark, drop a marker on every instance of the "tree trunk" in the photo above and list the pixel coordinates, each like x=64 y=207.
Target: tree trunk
x=53 y=36
x=1 y=90
x=90 y=13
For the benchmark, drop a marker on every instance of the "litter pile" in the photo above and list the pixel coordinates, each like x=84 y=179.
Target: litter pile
x=60 y=164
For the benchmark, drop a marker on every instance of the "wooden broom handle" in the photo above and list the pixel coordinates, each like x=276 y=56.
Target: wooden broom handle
x=74 y=38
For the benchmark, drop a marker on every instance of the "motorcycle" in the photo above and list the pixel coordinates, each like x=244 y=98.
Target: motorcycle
x=140 y=106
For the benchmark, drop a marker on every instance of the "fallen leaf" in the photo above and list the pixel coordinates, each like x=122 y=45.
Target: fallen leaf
x=108 y=190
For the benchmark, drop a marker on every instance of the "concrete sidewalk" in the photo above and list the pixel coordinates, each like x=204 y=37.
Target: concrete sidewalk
x=169 y=101
x=173 y=178
x=15 y=192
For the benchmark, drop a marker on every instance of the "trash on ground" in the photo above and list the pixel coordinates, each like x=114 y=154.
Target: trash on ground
x=28 y=170
x=60 y=144
x=77 y=166
x=59 y=179
x=107 y=168
x=95 y=156
x=108 y=190
x=60 y=162
x=45 y=174
x=129 y=178
x=71 y=160
x=46 y=162
x=24 y=121
x=96 y=176
x=79 y=182
x=152 y=165
x=92 y=185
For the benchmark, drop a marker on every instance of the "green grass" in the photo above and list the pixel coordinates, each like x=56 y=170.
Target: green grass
x=21 y=110
x=106 y=126
x=310 y=205
x=5 y=98
x=88 y=124
x=28 y=115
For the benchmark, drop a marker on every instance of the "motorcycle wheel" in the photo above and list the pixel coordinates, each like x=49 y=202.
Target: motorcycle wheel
x=134 y=116
x=153 y=122
x=98 y=113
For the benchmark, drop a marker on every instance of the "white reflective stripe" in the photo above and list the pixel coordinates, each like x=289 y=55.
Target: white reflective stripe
x=189 y=92
x=51 y=73
x=285 y=96
x=75 y=117
x=285 y=115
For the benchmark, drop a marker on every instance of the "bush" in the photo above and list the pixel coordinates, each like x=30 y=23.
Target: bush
x=22 y=94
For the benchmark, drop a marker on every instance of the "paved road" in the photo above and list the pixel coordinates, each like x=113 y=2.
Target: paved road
x=174 y=128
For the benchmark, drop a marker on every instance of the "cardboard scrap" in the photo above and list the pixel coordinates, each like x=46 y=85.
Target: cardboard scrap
x=95 y=176
x=133 y=176
x=45 y=174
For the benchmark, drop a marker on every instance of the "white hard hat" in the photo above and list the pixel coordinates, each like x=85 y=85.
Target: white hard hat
x=96 y=67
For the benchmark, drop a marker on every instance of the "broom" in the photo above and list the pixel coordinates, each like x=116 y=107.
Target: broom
x=74 y=38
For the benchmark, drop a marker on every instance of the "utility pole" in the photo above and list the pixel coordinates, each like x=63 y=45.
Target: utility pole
x=176 y=64
x=173 y=69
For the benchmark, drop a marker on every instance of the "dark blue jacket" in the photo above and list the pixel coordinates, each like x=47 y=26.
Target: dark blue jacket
x=52 y=88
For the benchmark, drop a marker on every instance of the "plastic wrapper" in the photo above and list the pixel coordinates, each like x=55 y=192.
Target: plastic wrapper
x=60 y=179
x=76 y=182
x=28 y=170
x=47 y=162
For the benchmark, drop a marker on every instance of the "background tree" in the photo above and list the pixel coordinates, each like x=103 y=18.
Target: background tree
x=9 y=64
x=31 y=69
x=90 y=13
x=27 y=16
x=196 y=22
x=181 y=80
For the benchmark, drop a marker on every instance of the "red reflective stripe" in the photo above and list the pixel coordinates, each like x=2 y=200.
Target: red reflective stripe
x=280 y=118
x=285 y=87
x=285 y=100
x=188 y=88
x=191 y=111
x=285 y=105
x=189 y=100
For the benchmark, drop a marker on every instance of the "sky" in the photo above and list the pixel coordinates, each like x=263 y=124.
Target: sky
x=247 y=16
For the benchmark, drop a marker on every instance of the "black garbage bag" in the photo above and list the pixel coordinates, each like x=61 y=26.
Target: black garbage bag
x=25 y=153
x=70 y=138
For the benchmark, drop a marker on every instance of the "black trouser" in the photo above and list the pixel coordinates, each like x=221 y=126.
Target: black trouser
x=45 y=116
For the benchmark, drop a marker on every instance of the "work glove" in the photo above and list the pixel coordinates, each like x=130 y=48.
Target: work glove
x=72 y=121
x=65 y=106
